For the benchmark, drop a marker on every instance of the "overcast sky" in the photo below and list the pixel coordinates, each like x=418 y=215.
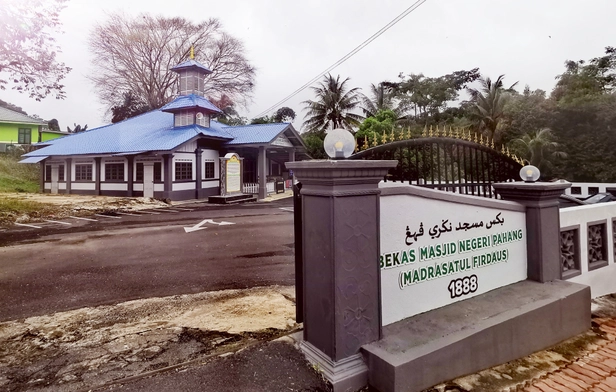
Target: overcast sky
x=290 y=42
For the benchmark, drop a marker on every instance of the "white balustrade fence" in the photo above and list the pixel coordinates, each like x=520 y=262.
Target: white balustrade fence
x=253 y=188
x=587 y=246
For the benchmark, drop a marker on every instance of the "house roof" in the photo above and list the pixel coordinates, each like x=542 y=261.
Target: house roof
x=151 y=131
x=191 y=64
x=11 y=116
x=255 y=133
x=154 y=131
x=190 y=102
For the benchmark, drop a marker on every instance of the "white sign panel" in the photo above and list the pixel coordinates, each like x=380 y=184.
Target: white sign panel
x=282 y=140
x=234 y=183
x=435 y=252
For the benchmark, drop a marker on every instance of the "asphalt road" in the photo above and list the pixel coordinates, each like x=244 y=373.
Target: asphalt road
x=78 y=263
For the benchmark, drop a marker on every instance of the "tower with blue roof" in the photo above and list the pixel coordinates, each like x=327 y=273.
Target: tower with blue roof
x=191 y=107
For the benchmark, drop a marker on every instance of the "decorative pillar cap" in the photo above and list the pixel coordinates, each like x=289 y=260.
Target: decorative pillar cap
x=341 y=170
x=531 y=191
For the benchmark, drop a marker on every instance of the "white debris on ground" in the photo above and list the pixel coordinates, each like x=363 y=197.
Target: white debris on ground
x=85 y=202
x=83 y=348
x=58 y=206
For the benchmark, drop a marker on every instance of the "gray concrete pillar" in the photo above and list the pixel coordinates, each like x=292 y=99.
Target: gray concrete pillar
x=42 y=178
x=130 y=178
x=198 y=173
x=167 y=176
x=68 y=177
x=341 y=276
x=542 y=225
x=262 y=173
x=97 y=174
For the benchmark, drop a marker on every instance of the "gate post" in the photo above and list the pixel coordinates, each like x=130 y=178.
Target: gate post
x=341 y=276
x=542 y=224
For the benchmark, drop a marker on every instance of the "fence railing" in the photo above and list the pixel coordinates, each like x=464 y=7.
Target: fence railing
x=587 y=245
x=253 y=188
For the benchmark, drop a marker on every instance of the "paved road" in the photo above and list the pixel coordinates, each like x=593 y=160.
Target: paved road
x=79 y=263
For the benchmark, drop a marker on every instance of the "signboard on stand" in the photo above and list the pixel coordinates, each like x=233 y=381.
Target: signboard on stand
x=437 y=252
x=231 y=174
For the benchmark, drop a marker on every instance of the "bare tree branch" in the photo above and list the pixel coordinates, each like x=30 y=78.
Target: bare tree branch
x=135 y=55
x=27 y=49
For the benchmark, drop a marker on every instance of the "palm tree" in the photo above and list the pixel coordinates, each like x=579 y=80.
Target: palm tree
x=539 y=149
x=381 y=98
x=490 y=102
x=332 y=106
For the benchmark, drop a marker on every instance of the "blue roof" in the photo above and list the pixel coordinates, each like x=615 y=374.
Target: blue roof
x=189 y=102
x=191 y=64
x=255 y=133
x=152 y=131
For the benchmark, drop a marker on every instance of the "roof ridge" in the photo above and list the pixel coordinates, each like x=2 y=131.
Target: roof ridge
x=252 y=125
x=39 y=121
x=120 y=122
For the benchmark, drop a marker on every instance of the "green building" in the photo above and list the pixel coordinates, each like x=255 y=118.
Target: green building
x=18 y=128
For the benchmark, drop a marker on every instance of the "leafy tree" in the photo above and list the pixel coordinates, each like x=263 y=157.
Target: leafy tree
x=284 y=114
x=28 y=49
x=136 y=54
x=525 y=113
x=333 y=106
x=382 y=122
x=429 y=96
x=53 y=125
x=262 y=120
x=77 y=128
x=539 y=149
x=314 y=146
x=490 y=102
x=131 y=106
x=584 y=80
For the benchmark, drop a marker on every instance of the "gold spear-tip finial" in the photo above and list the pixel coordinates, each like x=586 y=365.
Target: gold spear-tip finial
x=192 y=52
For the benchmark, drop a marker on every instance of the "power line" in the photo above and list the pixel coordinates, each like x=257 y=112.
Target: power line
x=398 y=18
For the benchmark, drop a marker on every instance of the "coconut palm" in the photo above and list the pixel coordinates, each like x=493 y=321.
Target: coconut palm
x=381 y=98
x=539 y=149
x=490 y=102
x=333 y=106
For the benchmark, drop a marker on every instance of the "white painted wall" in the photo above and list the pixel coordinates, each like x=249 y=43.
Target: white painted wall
x=113 y=187
x=211 y=156
x=188 y=147
x=183 y=186
x=88 y=186
x=602 y=281
x=399 y=211
x=206 y=184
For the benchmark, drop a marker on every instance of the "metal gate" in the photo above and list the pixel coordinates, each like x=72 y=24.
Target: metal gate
x=454 y=160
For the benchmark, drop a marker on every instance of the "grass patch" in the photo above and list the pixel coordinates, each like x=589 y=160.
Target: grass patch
x=11 y=209
x=18 y=177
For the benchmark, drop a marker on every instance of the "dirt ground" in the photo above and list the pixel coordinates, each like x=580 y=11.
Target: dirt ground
x=63 y=206
x=89 y=347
